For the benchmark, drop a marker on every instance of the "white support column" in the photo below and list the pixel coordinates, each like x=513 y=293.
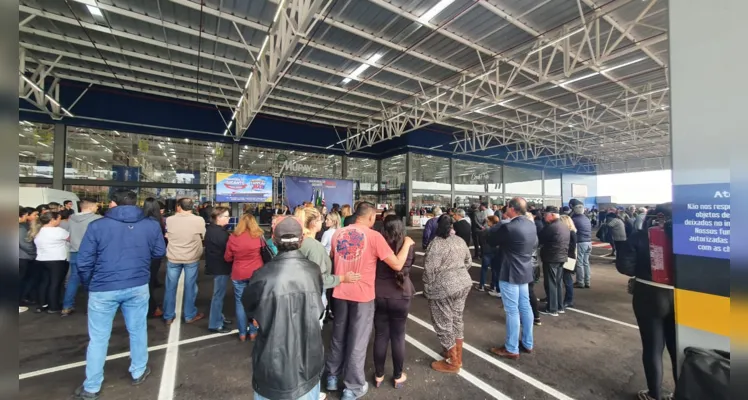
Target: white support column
x=451 y=181
x=408 y=184
x=58 y=163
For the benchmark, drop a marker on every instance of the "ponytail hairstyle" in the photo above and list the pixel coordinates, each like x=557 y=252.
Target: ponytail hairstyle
x=393 y=231
x=307 y=216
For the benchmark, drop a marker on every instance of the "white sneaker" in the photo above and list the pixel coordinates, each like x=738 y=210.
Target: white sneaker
x=494 y=293
x=22 y=309
x=322 y=396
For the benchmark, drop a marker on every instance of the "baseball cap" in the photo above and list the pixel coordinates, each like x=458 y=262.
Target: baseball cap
x=289 y=227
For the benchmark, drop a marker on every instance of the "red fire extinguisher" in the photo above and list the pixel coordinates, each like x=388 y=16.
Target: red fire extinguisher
x=661 y=256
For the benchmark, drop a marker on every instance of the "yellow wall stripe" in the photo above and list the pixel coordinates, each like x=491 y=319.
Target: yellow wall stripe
x=703 y=311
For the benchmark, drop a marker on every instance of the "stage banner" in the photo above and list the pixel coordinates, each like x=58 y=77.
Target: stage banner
x=241 y=188
x=320 y=191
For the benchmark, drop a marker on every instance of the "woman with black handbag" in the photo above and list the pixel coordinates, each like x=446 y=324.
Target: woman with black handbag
x=245 y=251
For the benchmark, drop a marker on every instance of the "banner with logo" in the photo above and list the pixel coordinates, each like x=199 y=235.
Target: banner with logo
x=319 y=191
x=241 y=188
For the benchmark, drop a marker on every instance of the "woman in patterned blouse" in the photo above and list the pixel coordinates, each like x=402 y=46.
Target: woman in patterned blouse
x=446 y=286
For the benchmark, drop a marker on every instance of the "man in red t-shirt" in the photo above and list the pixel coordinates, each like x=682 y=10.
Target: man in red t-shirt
x=357 y=248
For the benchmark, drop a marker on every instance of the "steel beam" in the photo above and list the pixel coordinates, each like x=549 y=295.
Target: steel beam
x=293 y=20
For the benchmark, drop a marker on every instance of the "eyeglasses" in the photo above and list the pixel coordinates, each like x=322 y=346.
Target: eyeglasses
x=224 y=216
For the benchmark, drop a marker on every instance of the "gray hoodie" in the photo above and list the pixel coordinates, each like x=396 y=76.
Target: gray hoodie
x=78 y=225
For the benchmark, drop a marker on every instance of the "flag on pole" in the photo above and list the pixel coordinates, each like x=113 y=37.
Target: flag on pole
x=322 y=198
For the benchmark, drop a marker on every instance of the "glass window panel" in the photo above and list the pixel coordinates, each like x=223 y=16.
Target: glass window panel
x=523 y=180
x=102 y=194
x=266 y=161
x=477 y=177
x=35 y=149
x=121 y=156
x=552 y=183
x=393 y=173
x=555 y=201
x=467 y=200
x=430 y=200
x=430 y=172
x=364 y=172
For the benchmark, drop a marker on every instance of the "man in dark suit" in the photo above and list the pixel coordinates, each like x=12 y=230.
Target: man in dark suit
x=517 y=240
x=461 y=226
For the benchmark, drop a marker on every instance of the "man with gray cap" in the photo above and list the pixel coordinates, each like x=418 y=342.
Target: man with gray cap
x=584 y=244
x=284 y=296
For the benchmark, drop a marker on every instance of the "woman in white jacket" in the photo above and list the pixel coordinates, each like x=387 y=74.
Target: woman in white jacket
x=51 y=253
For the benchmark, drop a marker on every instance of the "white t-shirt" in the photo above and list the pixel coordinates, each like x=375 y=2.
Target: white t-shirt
x=52 y=244
x=327 y=239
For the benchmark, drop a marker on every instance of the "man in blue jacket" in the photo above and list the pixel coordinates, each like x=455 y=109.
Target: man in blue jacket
x=584 y=243
x=114 y=265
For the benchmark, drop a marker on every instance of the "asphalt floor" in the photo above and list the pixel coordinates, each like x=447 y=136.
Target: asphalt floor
x=591 y=352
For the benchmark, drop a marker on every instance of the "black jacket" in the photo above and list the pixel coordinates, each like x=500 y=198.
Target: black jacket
x=573 y=245
x=554 y=239
x=285 y=298
x=517 y=240
x=462 y=229
x=216 y=238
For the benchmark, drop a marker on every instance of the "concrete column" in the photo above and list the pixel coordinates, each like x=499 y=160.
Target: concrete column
x=503 y=186
x=58 y=161
x=344 y=167
x=451 y=181
x=379 y=178
x=235 y=151
x=706 y=111
x=408 y=181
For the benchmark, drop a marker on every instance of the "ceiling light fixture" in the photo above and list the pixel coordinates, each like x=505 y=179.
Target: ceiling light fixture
x=562 y=84
x=361 y=68
x=623 y=65
x=95 y=11
x=433 y=11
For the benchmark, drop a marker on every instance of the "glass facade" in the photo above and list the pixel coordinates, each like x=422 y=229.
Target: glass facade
x=552 y=182
x=266 y=161
x=426 y=200
x=98 y=162
x=364 y=172
x=35 y=150
x=430 y=172
x=393 y=173
x=523 y=181
x=477 y=177
x=129 y=157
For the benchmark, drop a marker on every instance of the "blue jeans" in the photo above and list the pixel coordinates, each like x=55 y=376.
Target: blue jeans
x=102 y=306
x=485 y=265
x=312 y=395
x=241 y=315
x=216 y=303
x=74 y=281
x=583 y=263
x=569 y=288
x=173 y=272
x=516 y=299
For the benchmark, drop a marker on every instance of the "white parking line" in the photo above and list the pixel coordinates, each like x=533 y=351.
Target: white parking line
x=576 y=310
x=169 y=374
x=464 y=374
x=492 y=360
x=122 y=355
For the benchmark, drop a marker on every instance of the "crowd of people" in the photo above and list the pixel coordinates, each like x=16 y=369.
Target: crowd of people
x=349 y=266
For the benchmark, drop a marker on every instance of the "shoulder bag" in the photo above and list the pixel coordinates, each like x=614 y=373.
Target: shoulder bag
x=265 y=252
